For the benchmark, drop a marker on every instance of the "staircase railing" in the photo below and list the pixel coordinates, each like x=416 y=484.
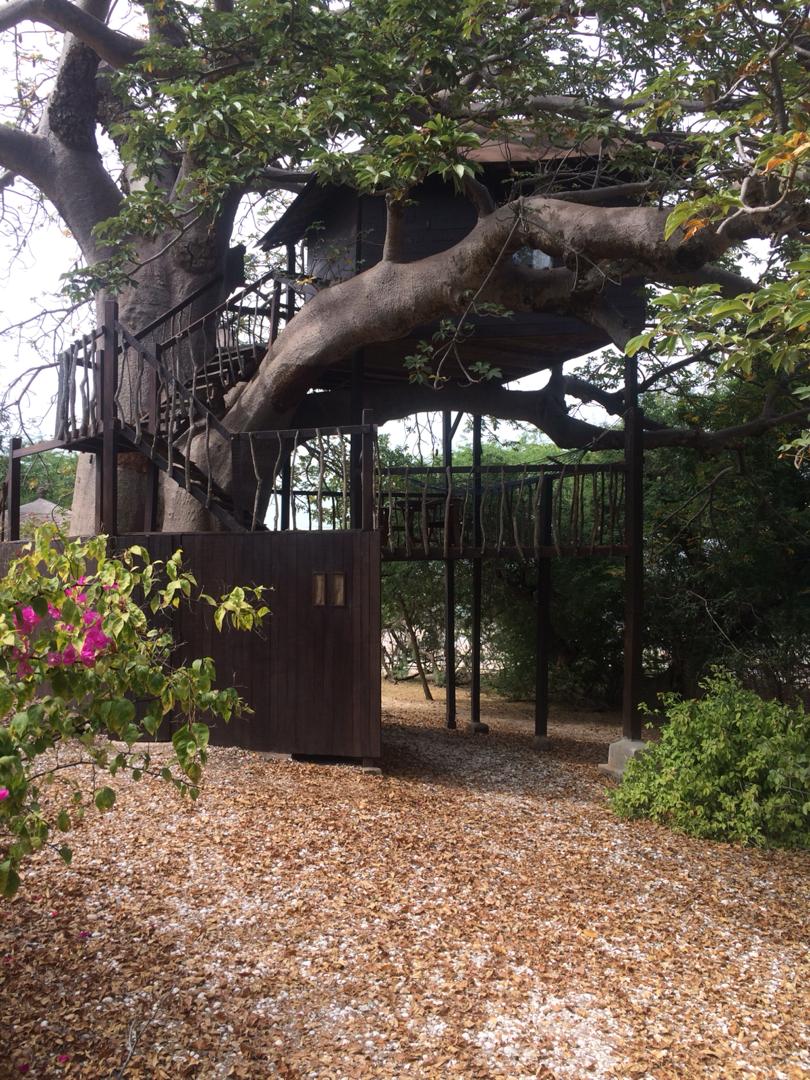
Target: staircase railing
x=209 y=354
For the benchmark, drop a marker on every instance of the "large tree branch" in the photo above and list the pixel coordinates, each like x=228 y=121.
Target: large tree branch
x=542 y=408
x=390 y=299
x=23 y=154
x=111 y=45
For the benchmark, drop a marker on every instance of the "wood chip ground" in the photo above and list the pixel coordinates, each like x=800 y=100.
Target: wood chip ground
x=475 y=912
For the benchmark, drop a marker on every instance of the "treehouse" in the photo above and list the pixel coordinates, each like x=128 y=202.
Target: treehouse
x=311 y=512
x=342 y=233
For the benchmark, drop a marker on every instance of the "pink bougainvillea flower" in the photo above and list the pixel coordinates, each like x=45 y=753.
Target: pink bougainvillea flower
x=24 y=1067
x=91 y=618
x=96 y=638
x=4 y=793
x=84 y=935
x=68 y=591
x=107 y=588
x=53 y=610
x=24 y=669
x=54 y=659
x=80 y=598
x=69 y=655
x=81 y=580
x=63 y=1059
x=30 y=617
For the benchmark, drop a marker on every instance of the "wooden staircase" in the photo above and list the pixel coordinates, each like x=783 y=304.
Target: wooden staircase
x=125 y=391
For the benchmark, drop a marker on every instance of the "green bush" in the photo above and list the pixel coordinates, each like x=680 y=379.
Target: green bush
x=729 y=766
x=78 y=649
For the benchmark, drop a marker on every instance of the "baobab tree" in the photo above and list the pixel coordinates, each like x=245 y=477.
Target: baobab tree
x=697 y=112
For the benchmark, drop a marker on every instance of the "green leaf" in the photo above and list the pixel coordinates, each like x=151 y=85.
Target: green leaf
x=105 y=798
x=9 y=879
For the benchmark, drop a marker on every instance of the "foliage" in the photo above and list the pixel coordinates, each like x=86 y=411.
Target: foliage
x=729 y=766
x=727 y=571
x=86 y=673
x=50 y=475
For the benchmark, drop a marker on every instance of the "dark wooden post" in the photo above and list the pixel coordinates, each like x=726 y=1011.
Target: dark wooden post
x=367 y=472
x=109 y=385
x=543 y=617
x=449 y=589
x=152 y=426
x=355 y=417
x=290 y=273
x=477 y=580
x=286 y=487
x=634 y=559
x=13 y=490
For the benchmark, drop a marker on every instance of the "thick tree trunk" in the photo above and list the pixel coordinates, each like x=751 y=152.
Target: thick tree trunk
x=417 y=652
x=162 y=284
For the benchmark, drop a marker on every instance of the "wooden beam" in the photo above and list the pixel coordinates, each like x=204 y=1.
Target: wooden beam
x=41 y=447
x=286 y=491
x=109 y=384
x=150 y=510
x=355 y=475
x=367 y=472
x=543 y=614
x=634 y=560
x=477 y=581
x=449 y=595
x=13 y=490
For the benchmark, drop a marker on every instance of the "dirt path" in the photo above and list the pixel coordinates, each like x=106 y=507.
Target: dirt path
x=475 y=912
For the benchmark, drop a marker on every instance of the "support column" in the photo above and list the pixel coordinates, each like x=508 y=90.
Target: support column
x=13 y=490
x=109 y=384
x=286 y=487
x=543 y=618
x=449 y=589
x=290 y=273
x=367 y=472
x=150 y=510
x=477 y=581
x=620 y=752
x=356 y=417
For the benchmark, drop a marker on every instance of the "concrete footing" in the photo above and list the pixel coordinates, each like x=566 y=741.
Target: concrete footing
x=619 y=753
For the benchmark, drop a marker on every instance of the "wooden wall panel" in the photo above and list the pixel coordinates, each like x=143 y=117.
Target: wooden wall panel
x=312 y=675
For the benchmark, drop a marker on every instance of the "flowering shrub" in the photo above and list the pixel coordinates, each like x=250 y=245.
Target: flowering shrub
x=86 y=672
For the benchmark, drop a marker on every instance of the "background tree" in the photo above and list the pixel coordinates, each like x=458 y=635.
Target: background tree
x=726 y=572
x=147 y=136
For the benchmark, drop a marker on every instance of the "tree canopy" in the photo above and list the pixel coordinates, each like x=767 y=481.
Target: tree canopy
x=148 y=134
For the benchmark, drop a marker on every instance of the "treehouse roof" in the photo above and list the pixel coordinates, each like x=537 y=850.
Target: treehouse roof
x=508 y=152
x=350 y=236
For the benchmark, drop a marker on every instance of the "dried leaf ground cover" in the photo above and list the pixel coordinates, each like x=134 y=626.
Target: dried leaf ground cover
x=476 y=912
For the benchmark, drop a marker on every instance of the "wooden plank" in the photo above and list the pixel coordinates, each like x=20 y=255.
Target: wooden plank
x=355 y=444
x=109 y=383
x=40 y=447
x=475 y=644
x=367 y=465
x=634 y=560
x=436 y=554
x=543 y=612
x=448 y=429
x=13 y=490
